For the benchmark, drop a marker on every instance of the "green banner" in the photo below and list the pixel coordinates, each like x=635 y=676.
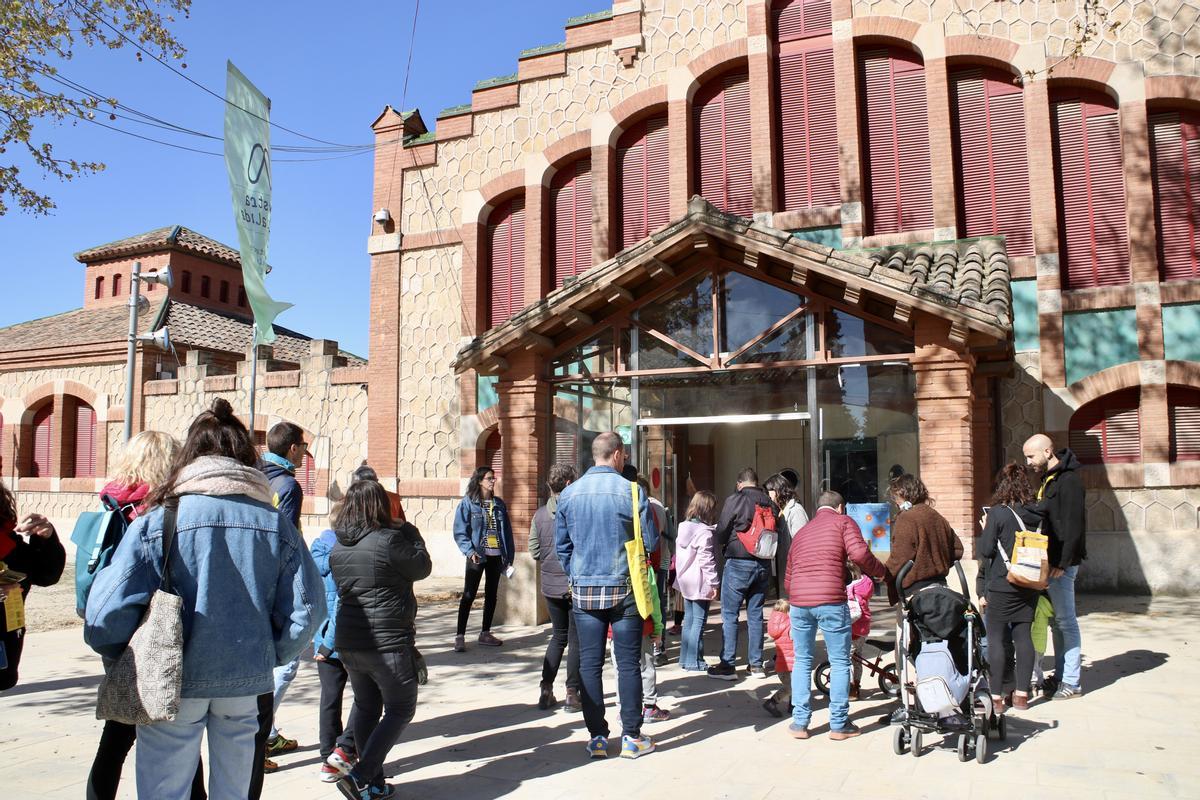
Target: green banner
x=248 y=162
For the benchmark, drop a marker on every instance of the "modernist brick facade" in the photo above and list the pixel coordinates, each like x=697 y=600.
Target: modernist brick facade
x=977 y=399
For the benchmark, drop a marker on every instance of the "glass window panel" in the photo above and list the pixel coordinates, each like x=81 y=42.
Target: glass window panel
x=590 y=358
x=766 y=391
x=847 y=336
x=789 y=343
x=653 y=353
x=582 y=411
x=687 y=316
x=749 y=307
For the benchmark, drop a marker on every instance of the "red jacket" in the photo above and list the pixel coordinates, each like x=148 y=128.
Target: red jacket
x=816 y=565
x=779 y=628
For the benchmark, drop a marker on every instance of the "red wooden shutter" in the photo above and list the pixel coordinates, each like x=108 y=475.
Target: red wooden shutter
x=797 y=19
x=99 y=287
x=506 y=252
x=116 y=290
x=1091 y=186
x=494 y=454
x=85 y=441
x=42 y=436
x=566 y=446
x=807 y=127
x=1108 y=430
x=571 y=193
x=896 y=133
x=1185 y=423
x=307 y=477
x=1175 y=167
x=991 y=161
x=643 y=164
x=722 y=121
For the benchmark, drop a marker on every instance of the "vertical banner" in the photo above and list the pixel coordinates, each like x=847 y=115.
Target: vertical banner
x=248 y=162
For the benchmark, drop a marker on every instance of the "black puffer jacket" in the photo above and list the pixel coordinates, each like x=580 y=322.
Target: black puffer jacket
x=374 y=571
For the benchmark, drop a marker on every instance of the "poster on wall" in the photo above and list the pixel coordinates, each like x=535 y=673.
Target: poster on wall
x=872 y=520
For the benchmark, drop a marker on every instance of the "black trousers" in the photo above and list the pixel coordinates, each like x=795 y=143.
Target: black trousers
x=561 y=638
x=491 y=566
x=385 y=699
x=266 y=718
x=331 y=733
x=1010 y=654
x=115 y=743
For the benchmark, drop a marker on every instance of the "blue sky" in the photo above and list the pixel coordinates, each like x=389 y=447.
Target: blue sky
x=328 y=76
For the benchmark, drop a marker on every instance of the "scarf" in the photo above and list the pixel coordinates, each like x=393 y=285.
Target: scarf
x=279 y=461
x=218 y=476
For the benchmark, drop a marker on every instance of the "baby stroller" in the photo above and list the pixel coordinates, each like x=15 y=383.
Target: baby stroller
x=942 y=671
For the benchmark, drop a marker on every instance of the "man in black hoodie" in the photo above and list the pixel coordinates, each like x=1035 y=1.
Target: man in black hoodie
x=1061 y=499
x=744 y=577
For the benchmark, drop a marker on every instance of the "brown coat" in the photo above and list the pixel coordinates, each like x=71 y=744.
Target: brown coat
x=923 y=536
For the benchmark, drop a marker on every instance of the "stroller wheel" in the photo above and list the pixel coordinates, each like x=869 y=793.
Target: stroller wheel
x=900 y=741
x=915 y=743
x=981 y=748
x=889 y=684
x=964 y=753
x=1002 y=728
x=821 y=677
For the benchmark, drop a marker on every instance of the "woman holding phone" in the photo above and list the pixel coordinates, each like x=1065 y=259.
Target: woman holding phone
x=483 y=533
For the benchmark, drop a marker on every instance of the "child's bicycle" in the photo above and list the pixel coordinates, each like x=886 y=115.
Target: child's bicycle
x=889 y=681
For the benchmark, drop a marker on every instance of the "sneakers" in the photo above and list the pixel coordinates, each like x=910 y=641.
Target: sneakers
x=337 y=765
x=797 y=732
x=597 y=747
x=660 y=658
x=632 y=747
x=772 y=707
x=281 y=744
x=488 y=640
x=1049 y=686
x=572 y=705
x=381 y=790
x=655 y=714
x=330 y=773
x=722 y=672
x=269 y=766
x=849 y=732
x=546 y=699
x=351 y=789
x=460 y=644
x=1066 y=692
x=757 y=671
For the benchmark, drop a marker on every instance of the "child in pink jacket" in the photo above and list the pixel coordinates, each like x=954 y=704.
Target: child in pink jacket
x=858 y=591
x=779 y=628
x=696 y=577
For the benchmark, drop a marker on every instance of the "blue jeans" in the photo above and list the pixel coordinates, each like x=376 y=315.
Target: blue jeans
x=691 y=639
x=834 y=622
x=283 y=679
x=744 y=579
x=1064 y=627
x=167 y=752
x=592 y=631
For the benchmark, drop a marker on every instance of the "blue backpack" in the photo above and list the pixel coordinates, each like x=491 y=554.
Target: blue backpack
x=96 y=536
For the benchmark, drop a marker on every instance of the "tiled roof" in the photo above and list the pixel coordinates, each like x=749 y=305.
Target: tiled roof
x=73 y=328
x=216 y=330
x=175 y=237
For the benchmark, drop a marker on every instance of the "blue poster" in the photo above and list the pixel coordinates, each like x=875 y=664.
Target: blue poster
x=872 y=520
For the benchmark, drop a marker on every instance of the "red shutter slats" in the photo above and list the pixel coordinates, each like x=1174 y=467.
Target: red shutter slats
x=797 y=19
x=85 y=441
x=307 y=476
x=643 y=164
x=1108 y=430
x=571 y=194
x=1185 y=423
x=1091 y=186
x=808 y=129
x=722 y=123
x=42 y=423
x=506 y=252
x=566 y=447
x=896 y=141
x=1175 y=169
x=992 y=165
x=494 y=454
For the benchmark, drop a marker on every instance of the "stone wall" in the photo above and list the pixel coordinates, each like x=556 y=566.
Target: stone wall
x=1020 y=405
x=1143 y=540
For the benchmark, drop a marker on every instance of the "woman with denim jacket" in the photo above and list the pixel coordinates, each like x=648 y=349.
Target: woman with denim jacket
x=252 y=599
x=483 y=533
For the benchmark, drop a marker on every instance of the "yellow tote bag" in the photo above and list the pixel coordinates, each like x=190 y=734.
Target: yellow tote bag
x=635 y=552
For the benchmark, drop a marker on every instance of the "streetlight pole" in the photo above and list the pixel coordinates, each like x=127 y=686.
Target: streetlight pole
x=131 y=350
x=253 y=372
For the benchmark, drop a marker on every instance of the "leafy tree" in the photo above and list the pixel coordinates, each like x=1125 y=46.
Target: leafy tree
x=35 y=36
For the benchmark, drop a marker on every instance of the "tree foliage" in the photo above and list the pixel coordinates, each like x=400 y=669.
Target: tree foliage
x=35 y=37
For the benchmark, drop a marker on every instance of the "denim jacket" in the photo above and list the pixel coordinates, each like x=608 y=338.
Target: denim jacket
x=322 y=546
x=252 y=596
x=470 y=528
x=593 y=521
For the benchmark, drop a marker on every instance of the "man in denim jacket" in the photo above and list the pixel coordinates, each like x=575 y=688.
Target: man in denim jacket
x=593 y=521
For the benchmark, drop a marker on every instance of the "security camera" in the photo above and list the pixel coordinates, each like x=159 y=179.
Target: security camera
x=383 y=216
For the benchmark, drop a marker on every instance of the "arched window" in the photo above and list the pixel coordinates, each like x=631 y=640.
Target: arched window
x=1090 y=172
x=116 y=290
x=571 y=232
x=1175 y=170
x=224 y=292
x=1108 y=430
x=43 y=422
x=99 y=292
x=991 y=164
x=895 y=128
x=807 y=122
x=493 y=454
x=506 y=261
x=644 y=172
x=185 y=282
x=1184 y=404
x=85 y=441
x=205 y=286
x=721 y=119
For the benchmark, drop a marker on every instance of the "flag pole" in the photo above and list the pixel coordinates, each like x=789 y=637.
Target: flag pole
x=253 y=372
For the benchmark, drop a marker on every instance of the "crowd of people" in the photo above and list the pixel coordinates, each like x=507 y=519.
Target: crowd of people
x=218 y=524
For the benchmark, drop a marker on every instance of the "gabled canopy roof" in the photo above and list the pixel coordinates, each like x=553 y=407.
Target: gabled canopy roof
x=965 y=282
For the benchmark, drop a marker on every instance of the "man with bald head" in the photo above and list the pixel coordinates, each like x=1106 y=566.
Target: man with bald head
x=1061 y=498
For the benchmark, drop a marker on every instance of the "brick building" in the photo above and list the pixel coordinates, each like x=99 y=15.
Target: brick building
x=62 y=378
x=833 y=235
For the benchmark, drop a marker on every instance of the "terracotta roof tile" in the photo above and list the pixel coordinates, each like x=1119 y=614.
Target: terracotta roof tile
x=175 y=237
x=971 y=271
x=73 y=328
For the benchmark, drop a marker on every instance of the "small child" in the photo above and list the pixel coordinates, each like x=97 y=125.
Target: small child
x=779 y=628
x=1042 y=615
x=859 y=591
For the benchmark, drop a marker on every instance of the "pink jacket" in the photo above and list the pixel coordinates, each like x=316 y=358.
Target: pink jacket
x=860 y=592
x=695 y=562
x=779 y=628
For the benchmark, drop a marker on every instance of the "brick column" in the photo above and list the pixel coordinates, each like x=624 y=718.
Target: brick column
x=982 y=409
x=604 y=167
x=679 y=124
x=537 y=250
x=945 y=406
x=383 y=368
x=58 y=431
x=763 y=109
x=850 y=171
x=941 y=150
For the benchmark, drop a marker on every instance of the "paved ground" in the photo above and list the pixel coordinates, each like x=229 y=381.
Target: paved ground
x=478 y=734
